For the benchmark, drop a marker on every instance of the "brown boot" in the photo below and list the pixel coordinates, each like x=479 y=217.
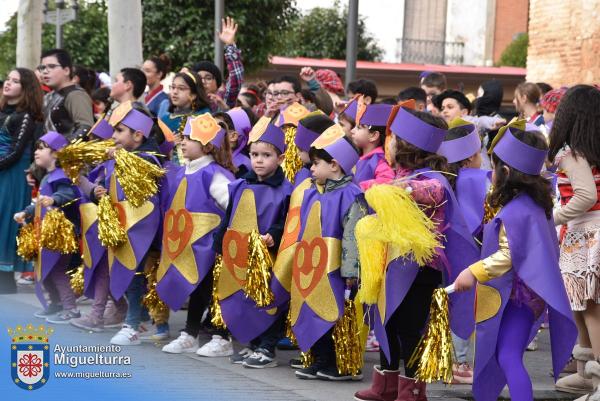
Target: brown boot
x=383 y=388
x=592 y=368
x=410 y=390
x=577 y=383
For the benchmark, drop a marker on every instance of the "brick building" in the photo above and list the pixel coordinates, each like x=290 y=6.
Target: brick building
x=564 y=42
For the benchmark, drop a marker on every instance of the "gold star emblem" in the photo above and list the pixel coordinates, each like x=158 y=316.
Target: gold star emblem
x=89 y=216
x=181 y=229
x=129 y=217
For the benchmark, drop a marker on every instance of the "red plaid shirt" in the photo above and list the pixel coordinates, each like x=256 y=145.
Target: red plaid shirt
x=235 y=77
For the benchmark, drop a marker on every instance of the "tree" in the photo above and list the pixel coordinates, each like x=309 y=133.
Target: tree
x=184 y=29
x=86 y=38
x=322 y=34
x=515 y=54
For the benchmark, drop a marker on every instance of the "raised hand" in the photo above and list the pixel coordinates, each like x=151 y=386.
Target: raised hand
x=228 y=30
x=307 y=74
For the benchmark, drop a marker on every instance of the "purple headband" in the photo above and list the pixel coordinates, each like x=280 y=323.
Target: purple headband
x=459 y=149
x=102 y=129
x=417 y=132
x=332 y=141
x=241 y=122
x=304 y=137
x=205 y=129
x=375 y=114
x=519 y=155
x=54 y=140
x=138 y=121
x=273 y=135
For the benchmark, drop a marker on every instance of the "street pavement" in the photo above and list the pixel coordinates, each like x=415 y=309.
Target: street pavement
x=160 y=376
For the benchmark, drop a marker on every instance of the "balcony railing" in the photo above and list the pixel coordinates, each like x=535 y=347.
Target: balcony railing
x=423 y=51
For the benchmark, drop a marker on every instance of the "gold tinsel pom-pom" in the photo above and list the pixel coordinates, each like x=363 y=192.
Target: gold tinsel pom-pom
x=151 y=300
x=28 y=242
x=372 y=254
x=215 y=308
x=346 y=339
x=289 y=333
x=436 y=349
x=79 y=154
x=291 y=162
x=403 y=223
x=110 y=231
x=77 y=281
x=258 y=274
x=58 y=233
x=138 y=177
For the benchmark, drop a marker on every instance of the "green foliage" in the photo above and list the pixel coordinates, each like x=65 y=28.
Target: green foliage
x=322 y=34
x=515 y=54
x=184 y=29
x=86 y=38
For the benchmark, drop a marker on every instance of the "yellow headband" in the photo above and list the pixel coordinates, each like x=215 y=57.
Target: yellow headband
x=191 y=76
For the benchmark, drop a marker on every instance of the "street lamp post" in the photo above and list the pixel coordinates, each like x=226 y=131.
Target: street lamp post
x=60 y=16
x=351 y=41
x=219 y=11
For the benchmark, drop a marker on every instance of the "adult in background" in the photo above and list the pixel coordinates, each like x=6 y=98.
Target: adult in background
x=68 y=108
x=20 y=118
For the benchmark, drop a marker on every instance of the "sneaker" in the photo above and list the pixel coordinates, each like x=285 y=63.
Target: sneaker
x=26 y=279
x=83 y=300
x=261 y=358
x=309 y=373
x=372 y=343
x=332 y=374
x=182 y=344
x=52 y=309
x=126 y=336
x=64 y=317
x=216 y=347
x=533 y=345
x=88 y=322
x=160 y=333
x=296 y=363
x=240 y=357
x=462 y=374
x=285 y=344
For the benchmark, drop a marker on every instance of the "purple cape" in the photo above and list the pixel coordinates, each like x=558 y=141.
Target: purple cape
x=460 y=251
x=302 y=175
x=244 y=319
x=471 y=189
x=309 y=325
x=172 y=286
x=534 y=253
x=365 y=168
x=240 y=159
x=145 y=222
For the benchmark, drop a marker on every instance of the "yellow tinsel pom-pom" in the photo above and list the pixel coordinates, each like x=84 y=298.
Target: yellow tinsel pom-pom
x=346 y=338
x=372 y=254
x=76 y=156
x=403 y=223
x=28 y=242
x=289 y=333
x=215 y=308
x=291 y=162
x=435 y=351
x=258 y=274
x=138 y=177
x=58 y=233
x=77 y=280
x=110 y=231
x=151 y=300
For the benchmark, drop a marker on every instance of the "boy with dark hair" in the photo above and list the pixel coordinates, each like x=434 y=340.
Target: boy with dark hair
x=364 y=87
x=452 y=104
x=286 y=90
x=433 y=84
x=67 y=108
x=418 y=94
x=129 y=85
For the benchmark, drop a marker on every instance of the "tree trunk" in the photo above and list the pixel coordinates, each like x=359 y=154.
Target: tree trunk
x=29 y=33
x=124 y=34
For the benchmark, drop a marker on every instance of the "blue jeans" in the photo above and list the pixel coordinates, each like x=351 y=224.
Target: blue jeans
x=461 y=348
x=135 y=293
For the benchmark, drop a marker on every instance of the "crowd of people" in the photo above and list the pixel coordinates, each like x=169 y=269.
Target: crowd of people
x=317 y=177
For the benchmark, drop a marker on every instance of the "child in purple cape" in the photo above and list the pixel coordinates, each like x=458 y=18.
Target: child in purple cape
x=328 y=215
x=56 y=190
x=519 y=275
x=258 y=201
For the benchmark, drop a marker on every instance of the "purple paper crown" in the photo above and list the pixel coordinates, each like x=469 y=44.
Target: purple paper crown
x=138 y=121
x=374 y=114
x=241 y=122
x=209 y=132
x=273 y=135
x=304 y=137
x=166 y=147
x=417 y=132
x=102 y=129
x=459 y=149
x=519 y=155
x=333 y=141
x=54 y=140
